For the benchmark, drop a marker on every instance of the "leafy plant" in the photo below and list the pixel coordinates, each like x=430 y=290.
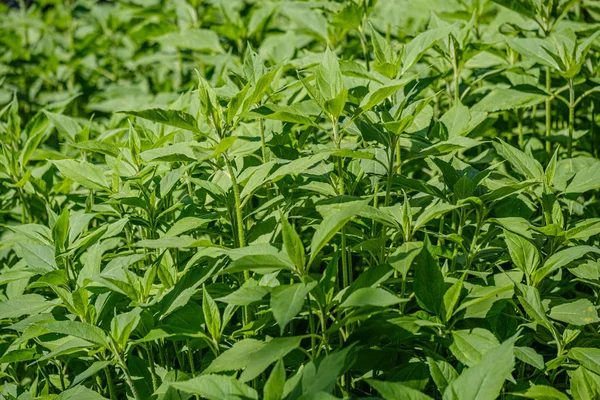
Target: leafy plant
x=299 y=200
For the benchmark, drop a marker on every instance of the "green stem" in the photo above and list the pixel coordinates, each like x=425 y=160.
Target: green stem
x=240 y=227
x=548 y=113
x=571 y=116
x=111 y=384
x=152 y=370
x=238 y=203
x=520 y=128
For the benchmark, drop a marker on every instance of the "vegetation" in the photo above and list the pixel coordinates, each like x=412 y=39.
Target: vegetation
x=235 y=199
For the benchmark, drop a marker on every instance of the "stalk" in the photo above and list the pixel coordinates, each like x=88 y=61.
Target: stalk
x=240 y=227
x=571 y=116
x=151 y=362
x=341 y=191
x=111 y=384
x=238 y=205
x=548 y=113
x=520 y=128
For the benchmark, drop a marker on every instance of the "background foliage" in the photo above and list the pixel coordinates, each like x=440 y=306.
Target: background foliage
x=230 y=199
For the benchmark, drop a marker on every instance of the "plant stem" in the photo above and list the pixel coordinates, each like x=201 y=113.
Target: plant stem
x=571 y=116
x=240 y=226
x=111 y=384
x=548 y=113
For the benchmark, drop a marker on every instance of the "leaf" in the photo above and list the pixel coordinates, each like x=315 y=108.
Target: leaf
x=174 y=118
x=579 y=312
x=293 y=244
x=26 y=304
x=542 y=392
x=81 y=330
x=212 y=315
x=523 y=7
x=84 y=173
x=523 y=253
x=370 y=296
x=539 y=50
x=92 y=370
x=431 y=213
x=287 y=302
x=396 y=390
x=530 y=356
x=236 y=358
x=273 y=351
x=329 y=77
x=470 y=346
x=429 y=283
x=403 y=257
x=66 y=126
x=415 y=49
x=521 y=162
x=259 y=263
x=15 y=356
x=276 y=383
x=79 y=393
x=484 y=380
x=441 y=372
x=560 y=259
x=584 y=180
x=589 y=357
x=501 y=99
x=202 y=40
x=217 y=387
x=379 y=94
x=331 y=225
x=178 y=152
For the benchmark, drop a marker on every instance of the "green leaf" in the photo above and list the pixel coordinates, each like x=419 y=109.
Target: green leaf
x=329 y=77
x=589 y=357
x=502 y=99
x=81 y=330
x=273 y=351
x=92 y=370
x=275 y=384
x=419 y=45
x=79 y=393
x=522 y=252
x=84 y=173
x=217 y=387
x=524 y=7
x=293 y=244
x=237 y=357
x=560 y=259
x=584 y=180
x=484 y=380
x=521 y=162
x=396 y=390
x=174 y=118
x=530 y=356
x=430 y=213
x=66 y=126
x=26 y=304
x=541 y=51
x=442 y=373
x=542 y=392
x=331 y=225
x=403 y=257
x=579 y=312
x=15 y=356
x=287 y=302
x=429 y=283
x=470 y=346
x=212 y=315
x=370 y=296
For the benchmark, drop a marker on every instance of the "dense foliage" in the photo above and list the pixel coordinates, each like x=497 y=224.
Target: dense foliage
x=243 y=199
